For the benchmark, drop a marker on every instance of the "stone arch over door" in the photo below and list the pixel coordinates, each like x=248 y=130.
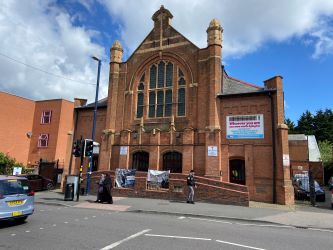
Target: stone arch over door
x=237 y=171
x=173 y=161
x=140 y=161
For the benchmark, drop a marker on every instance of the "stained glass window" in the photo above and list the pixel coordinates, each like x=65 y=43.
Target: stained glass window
x=139 y=112
x=151 y=112
x=168 y=103
x=161 y=70
x=152 y=83
x=169 y=75
x=160 y=103
x=181 y=102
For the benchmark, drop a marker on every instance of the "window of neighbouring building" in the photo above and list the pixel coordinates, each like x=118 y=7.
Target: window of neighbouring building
x=43 y=140
x=46 y=117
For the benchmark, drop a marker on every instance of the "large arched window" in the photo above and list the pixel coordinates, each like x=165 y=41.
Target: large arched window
x=166 y=89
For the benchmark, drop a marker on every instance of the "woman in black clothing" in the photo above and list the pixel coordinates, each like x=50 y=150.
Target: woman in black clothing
x=107 y=186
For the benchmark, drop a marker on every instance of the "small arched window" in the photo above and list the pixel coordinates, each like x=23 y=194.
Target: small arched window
x=140 y=100
x=181 y=94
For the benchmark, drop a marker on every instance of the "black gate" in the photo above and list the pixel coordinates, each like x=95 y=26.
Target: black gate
x=305 y=187
x=140 y=161
x=237 y=171
x=173 y=161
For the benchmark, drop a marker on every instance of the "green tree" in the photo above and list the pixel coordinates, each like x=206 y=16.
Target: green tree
x=7 y=164
x=305 y=124
x=291 y=126
x=323 y=125
x=326 y=152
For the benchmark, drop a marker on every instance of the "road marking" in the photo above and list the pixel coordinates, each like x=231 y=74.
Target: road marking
x=94 y=216
x=12 y=234
x=321 y=230
x=113 y=245
x=42 y=210
x=41 y=228
x=66 y=222
x=263 y=225
x=181 y=217
x=239 y=245
x=218 y=221
x=27 y=231
x=176 y=237
x=54 y=225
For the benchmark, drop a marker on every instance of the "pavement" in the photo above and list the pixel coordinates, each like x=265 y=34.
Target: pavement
x=300 y=215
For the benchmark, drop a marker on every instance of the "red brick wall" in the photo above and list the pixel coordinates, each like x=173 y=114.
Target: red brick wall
x=61 y=124
x=16 y=118
x=207 y=190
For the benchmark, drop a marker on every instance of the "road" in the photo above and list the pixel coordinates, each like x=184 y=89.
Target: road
x=58 y=227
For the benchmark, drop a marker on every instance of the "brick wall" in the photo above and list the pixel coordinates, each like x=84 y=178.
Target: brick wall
x=16 y=118
x=207 y=190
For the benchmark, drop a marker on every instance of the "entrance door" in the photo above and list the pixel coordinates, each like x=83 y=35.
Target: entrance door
x=173 y=161
x=140 y=161
x=237 y=171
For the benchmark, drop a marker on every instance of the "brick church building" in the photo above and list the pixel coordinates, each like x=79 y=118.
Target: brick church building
x=172 y=106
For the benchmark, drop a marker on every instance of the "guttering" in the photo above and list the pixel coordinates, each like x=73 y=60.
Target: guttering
x=260 y=92
x=274 y=146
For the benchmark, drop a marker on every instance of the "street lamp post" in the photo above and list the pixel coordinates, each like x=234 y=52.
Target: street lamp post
x=94 y=124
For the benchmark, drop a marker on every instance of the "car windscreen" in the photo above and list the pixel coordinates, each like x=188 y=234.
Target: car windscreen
x=14 y=186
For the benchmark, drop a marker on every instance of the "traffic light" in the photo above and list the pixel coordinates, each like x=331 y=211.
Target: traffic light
x=88 y=147
x=77 y=148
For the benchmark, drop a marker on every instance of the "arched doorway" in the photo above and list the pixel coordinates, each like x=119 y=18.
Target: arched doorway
x=237 y=171
x=140 y=161
x=173 y=161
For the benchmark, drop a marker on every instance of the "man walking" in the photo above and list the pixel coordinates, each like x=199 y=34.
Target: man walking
x=191 y=185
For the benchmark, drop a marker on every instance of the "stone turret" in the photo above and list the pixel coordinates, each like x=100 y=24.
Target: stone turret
x=116 y=52
x=214 y=33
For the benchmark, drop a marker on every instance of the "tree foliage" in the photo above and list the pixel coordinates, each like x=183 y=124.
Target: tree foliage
x=7 y=164
x=326 y=152
x=319 y=124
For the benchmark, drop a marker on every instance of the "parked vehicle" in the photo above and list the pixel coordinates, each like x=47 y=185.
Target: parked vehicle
x=330 y=183
x=38 y=183
x=16 y=198
x=302 y=188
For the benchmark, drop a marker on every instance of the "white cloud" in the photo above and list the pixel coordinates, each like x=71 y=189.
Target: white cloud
x=247 y=24
x=40 y=34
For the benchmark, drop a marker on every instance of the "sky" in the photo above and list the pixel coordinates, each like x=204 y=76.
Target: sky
x=46 y=45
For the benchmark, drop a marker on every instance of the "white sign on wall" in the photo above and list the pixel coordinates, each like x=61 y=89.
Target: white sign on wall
x=17 y=170
x=123 y=150
x=245 y=126
x=212 y=151
x=286 y=160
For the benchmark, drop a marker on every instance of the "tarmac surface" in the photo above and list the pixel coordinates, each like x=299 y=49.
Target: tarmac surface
x=300 y=215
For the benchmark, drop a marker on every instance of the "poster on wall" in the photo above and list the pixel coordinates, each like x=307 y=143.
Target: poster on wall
x=123 y=150
x=158 y=179
x=245 y=126
x=212 y=151
x=125 y=178
x=17 y=170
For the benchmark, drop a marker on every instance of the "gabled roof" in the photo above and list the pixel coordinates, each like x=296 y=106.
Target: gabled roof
x=102 y=103
x=234 y=86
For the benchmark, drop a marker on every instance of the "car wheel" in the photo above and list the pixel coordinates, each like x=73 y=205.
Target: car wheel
x=49 y=186
x=21 y=219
